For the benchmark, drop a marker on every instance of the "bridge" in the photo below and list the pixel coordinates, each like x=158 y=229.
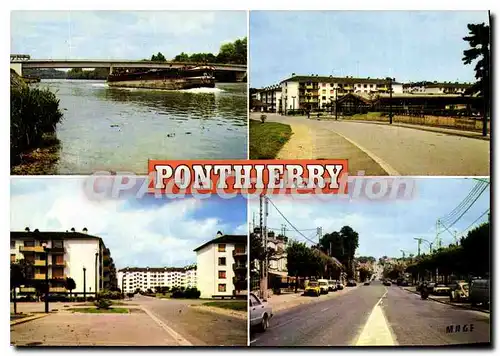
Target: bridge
x=19 y=61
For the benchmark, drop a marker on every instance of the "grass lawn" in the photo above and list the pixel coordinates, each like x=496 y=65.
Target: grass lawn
x=240 y=305
x=100 y=311
x=266 y=139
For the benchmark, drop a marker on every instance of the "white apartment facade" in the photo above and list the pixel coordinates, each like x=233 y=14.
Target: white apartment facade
x=131 y=279
x=64 y=255
x=222 y=266
x=436 y=88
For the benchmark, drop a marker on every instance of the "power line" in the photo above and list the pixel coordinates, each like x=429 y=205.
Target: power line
x=473 y=194
x=288 y=221
x=475 y=221
x=470 y=205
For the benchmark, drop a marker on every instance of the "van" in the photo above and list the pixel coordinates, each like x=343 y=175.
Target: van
x=479 y=292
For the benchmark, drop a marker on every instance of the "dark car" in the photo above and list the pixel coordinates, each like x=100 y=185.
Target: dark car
x=367 y=283
x=351 y=283
x=387 y=283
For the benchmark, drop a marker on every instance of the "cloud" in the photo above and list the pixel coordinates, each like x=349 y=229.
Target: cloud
x=157 y=235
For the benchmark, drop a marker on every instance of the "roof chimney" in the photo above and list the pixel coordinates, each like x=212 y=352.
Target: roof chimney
x=73 y=229
x=36 y=230
x=27 y=229
x=85 y=230
x=219 y=234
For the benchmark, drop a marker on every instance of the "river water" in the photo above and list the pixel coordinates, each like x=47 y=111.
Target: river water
x=111 y=129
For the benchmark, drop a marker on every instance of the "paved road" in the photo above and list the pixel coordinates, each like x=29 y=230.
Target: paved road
x=403 y=150
x=373 y=315
x=198 y=327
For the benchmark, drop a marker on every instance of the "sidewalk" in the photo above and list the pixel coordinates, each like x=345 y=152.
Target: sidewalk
x=446 y=300
x=65 y=329
x=289 y=300
x=443 y=130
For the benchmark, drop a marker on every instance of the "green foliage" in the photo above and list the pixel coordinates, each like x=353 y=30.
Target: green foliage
x=479 y=42
x=235 y=52
x=102 y=303
x=34 y=112
x=341 y=245
x=70 y=284
x=107 y=294
x=79 y=73
x=158 y=57
x=188 y=293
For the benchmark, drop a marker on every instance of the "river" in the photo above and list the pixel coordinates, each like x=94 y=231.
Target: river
x=111 y=129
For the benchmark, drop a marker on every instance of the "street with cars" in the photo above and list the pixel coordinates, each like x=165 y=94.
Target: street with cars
x=375 y=314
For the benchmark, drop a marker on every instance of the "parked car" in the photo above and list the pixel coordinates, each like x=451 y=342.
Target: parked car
x=332 y=285
x=260 y=313
x=351 y=283
x=367 y=283
x=404 y=283
x=340 y=285
x=441 y=289
x=387 y=283
x=323 y=286
x=459 y=291
x=313 y=288
x=479 y=292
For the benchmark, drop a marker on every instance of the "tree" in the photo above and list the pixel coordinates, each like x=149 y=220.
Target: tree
x=183 y=57
x=479 y=42
x=298 y=255
x=70 y=285
x=158 y=57
x=20 y=273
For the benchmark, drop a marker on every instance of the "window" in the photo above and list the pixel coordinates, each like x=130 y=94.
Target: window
x=13 y=257
x=222 y=248
x=253 y=300
x=324 y=97
x=57 y=244
x=222 y=274
x=364 y=86
x=331 y=84
x=323 y=91
x=371 y=85
x=222 y=261
x=323 y=85
x=222 y=287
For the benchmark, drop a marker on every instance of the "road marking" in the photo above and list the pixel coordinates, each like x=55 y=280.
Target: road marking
x=177 y=337
x=385 y=166
x=324 y=309
x=376 y=331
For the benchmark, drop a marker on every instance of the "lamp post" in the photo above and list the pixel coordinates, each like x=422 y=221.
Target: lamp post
x=84 y=285
x=47 y=287
x=95 y=281
x=390 y=98
x=336 y=102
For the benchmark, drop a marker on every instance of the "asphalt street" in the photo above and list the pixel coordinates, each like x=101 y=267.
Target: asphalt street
x=374 y=315
x=199 y=328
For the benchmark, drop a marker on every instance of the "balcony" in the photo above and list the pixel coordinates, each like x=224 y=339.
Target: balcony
x=239 y=253
x=57 y=250
x=39 y=263
x=31 y=249
x=239 y=266
x=27 y=289
x=59 y=263
x=57 y=289
x=39 y=276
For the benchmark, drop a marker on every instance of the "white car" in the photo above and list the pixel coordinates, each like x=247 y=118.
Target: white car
x=260 y=313
x=323 y=285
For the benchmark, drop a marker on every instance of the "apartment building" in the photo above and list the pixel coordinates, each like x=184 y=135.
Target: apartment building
x=271 y=97
x=222 y=266
x=436 y=88
x=318 y=92
x=131 y=279
x=61 y=255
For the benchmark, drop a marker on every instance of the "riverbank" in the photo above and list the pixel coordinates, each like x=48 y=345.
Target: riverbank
x=34 y=116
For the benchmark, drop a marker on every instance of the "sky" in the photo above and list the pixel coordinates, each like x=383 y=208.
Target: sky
x=122 y=34
x=406 y=45
x=384 y=227
x=146 y=232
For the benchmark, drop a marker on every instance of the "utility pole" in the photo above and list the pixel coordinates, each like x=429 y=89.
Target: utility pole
x=319 y=233
x=438 y=238
x=390 y=99
x=266 y=262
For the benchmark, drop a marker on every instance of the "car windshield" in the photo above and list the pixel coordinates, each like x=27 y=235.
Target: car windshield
x=323 y=283
x=313 y=284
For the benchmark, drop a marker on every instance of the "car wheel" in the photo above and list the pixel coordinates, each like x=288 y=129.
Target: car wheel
x=264 y=324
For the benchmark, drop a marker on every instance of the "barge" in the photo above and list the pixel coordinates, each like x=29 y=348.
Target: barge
x=169 y=79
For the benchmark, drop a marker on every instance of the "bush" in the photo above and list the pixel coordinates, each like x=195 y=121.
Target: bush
x=102 y=303
x=34 y=112
x=189 y=293
x=107 y=294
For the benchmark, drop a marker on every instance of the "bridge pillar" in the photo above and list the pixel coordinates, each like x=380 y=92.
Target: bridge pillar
x=18 y=67
x=241 y=76
x=110 y=70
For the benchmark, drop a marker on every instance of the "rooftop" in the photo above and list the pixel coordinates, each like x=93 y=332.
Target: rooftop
x=332 y=79
x=225 y=239
x=157 y=269
x=51 y=235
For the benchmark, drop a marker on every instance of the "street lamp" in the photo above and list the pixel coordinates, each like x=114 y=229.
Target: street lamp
x=47 y=287
x=390 y=98
x=84 y=285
